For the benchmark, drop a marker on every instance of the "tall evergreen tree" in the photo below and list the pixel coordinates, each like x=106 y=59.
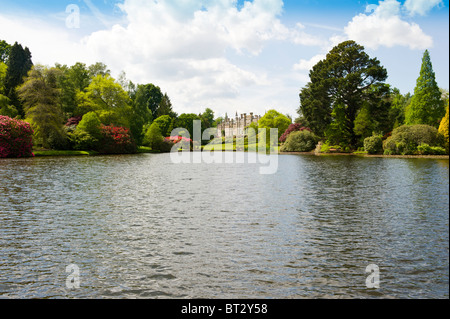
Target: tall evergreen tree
x=426 y=105
x=19 y=63
x=340 y=86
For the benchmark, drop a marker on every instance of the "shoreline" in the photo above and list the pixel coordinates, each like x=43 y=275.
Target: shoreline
x=144 y=150
x=368 y=155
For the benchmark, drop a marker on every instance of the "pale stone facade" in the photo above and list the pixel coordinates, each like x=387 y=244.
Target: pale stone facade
x=236 y=127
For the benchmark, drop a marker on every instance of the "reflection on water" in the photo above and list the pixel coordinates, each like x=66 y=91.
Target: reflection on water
x=141 y=227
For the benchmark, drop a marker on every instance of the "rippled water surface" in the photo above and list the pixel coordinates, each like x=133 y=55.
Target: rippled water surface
x=139 y=226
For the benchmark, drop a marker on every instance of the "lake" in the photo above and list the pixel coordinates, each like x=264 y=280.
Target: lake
x=140 y=226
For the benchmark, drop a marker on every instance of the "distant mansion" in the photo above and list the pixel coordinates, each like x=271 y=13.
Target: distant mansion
x=237 y=126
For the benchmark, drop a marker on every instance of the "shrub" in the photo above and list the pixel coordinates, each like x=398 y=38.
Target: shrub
x=300 y=141
x=15 y=138
x=116 y=140
x=293 y=128
x=406 y=139
x=83 y=141
x=91 y=124
x=425 y=149
x=153 y=137
x=444 y=127
x=373 y=144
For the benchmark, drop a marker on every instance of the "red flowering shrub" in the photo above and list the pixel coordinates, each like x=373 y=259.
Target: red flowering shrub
x=293 y=128
x=15 y=138
x=116 y=140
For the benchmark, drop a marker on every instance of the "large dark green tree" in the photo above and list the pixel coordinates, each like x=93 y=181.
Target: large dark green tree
x=426 y=106
x=340 y=85
x=150 y=96
x=19 y=63
x=186 y=121
x=165 y=107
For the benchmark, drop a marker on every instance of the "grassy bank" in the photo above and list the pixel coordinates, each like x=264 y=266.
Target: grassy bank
x=42 y=153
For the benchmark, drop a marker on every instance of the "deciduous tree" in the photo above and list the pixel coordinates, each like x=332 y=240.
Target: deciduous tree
x=40 y=97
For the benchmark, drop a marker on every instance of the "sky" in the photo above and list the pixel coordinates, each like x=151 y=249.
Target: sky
x=230 y=55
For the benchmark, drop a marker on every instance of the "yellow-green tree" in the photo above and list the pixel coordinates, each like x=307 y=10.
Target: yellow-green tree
x=443 y=128
x=40 y=97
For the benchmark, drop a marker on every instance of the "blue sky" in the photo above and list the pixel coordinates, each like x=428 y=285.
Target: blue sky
x=244 y=56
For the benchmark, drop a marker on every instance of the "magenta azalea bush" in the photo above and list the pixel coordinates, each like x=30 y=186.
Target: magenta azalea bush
x=15 y=138
x=116 y=140
x=293 y=128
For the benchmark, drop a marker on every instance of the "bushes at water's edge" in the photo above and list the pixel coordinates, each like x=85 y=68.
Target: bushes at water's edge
x=407 y=139
x=300 y=141
x=116 y=140
x=15 y=138
x=373 y=144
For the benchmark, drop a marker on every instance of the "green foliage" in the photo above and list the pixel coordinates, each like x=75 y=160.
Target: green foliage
x=186 y=121
x=91 y=124
x=373 y=144
x=398 y=108
x=165 y=123
x=300 y=141
x=5 y=49
x=98 y=69
x=19 y=63
x=153 y=137
x=108 y=99
x=207 y=119
x=338 y=88
x=5 y=108
x=40 y=97
x=426 y=105
x=406 y=139
x=363 y=123
x=425 y=149
x=3 y=71
x=443 y=128
x=165 y=107
x=274 y=119
x=82 y=140
x=149 y=96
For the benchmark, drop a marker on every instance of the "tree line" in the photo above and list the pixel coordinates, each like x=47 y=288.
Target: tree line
x=347 y=100
x=54 y=100
x=345 y=103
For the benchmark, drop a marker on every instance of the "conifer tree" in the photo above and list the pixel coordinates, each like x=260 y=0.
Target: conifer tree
x=19 y=63
x=426 y=105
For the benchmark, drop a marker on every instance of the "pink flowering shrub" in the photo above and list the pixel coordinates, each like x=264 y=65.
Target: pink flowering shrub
x=293 y=128
x=116 y=140
x=15 y=138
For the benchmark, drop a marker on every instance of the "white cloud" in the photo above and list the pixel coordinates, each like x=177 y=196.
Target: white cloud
x=421 y=7
x=183 y=47
x=385 y=27
x=307 y=65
